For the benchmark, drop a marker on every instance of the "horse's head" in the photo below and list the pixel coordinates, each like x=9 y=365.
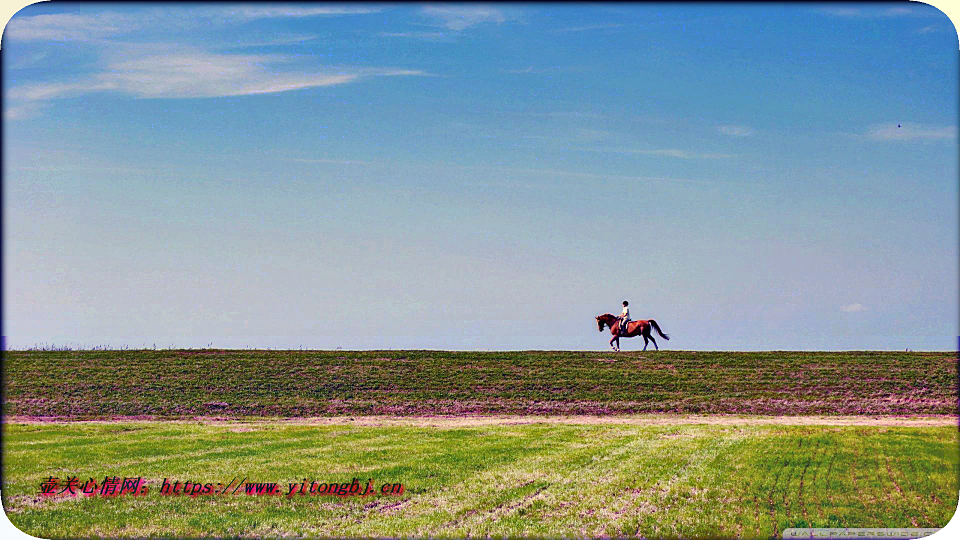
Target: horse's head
x=600 y=323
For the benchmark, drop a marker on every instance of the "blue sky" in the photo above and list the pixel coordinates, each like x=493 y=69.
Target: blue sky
x=753 y=177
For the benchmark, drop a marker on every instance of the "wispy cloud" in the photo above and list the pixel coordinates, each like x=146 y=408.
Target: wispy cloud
x=530 y=70
x=278 y=38
x=171 y=69
x=428 y=36
x=568 y=114
x=252 y=12
x=683 y=154
x=92 y=27
x=587 y=28
x=877 y=12
x=194 y=75
x=853 y=308
x=334 y=161
x=910 y=132
x=494 y=171
x=23 y=111
x=667 y=152
x=68 y=27
x=736 y=131
x=463 y=17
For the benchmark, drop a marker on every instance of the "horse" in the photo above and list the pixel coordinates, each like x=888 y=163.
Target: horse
x=634 y=328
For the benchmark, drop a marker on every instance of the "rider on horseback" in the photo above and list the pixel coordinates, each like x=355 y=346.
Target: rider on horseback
x=624 y=318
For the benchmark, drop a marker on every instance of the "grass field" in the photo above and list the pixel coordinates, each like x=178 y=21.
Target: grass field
x=214 y=417
x=181 y=384
x=533 y=480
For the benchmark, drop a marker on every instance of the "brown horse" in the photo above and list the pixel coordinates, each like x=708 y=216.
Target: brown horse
x=634 y=328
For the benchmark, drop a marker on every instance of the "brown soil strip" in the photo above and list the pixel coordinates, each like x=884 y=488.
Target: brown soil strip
x=506 y=420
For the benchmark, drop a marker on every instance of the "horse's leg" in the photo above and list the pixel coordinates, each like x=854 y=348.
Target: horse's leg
x=647 y=334
x=611 y=342
x=644 y=342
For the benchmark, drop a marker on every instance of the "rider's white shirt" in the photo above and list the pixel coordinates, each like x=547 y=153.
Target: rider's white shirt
x=625 y=313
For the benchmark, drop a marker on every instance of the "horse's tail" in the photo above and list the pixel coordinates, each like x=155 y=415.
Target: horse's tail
x=656 y=327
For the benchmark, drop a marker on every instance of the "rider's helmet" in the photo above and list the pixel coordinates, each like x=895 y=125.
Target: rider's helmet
x=625 y=302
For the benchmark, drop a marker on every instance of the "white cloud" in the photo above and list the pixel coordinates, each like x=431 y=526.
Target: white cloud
x=544 y=70
x=567 y=114
x=516 y=71
x=463 y=17
x=277 y=38
x=668 y=152
x=251 y=12
x=23 y=111
x=876 y=12
x=682 y=154
x=429 y=36
x=893 y=131
x=173 y=70
x=602 y=26
x=67 y=27
x=853 y=308
x=77 y=27
x=334 y=161
x=194 y=75
x=736 y=131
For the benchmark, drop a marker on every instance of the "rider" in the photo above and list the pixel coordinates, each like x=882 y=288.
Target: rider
x=624 y=318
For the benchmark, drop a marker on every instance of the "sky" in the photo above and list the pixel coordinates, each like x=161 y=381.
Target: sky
x=480 y=177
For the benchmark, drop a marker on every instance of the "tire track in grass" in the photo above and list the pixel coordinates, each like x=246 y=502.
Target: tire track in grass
x=570 y=467
x=659 y=490
x=825 y=499
x=754 y=484
x=465 y=500
x=916 y=502
x=787 y=488
x=504 y=510
x=644 y=507
x=803 y=473
x=712 y=467
x=913 y=520
x=771 y=507
x=855 y=466
x=756 y=513
x=718 y=507
x=920 y=488
x=585 y=472
x=886 y=495
x=826 y=476
x=890 y=496
x=786 y=465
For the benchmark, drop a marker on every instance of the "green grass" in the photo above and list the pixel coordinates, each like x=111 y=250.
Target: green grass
x=685 y=481
x=170 y=384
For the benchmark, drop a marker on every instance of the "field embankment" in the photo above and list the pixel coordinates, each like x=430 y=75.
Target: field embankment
x=236 y=384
